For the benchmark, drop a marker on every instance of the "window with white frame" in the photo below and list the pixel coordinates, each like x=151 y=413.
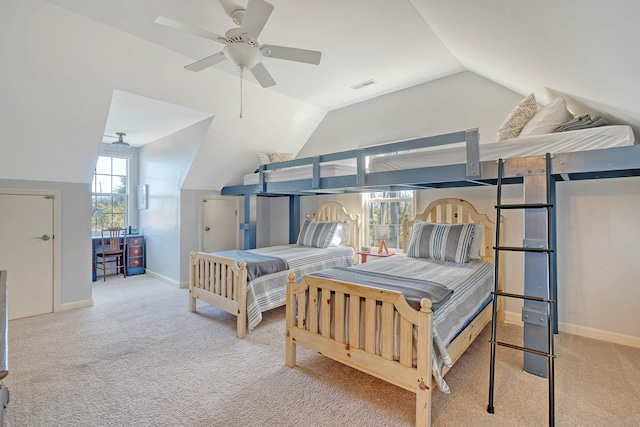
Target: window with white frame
x=384 y=213
x=110 y=192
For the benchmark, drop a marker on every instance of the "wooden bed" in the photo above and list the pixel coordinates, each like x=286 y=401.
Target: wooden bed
x=309 y=320
x=222 y=283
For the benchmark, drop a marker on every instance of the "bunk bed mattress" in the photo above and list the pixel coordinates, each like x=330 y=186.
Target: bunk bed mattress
x=303 y=172
x=269 y=291
x=534 y=145
x=471 y=282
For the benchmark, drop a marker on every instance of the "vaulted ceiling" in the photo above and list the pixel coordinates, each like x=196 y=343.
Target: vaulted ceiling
x=581 y=49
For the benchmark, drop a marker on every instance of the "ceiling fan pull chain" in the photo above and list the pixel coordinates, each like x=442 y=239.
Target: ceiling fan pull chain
x=241 y=72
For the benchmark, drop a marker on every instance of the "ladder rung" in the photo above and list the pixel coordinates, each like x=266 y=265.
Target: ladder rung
x=517 y=347
x=520 y=249
x=528 y=297
x=525 y=206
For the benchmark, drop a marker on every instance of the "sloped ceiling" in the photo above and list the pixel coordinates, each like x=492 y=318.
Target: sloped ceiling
x=377 y=39
x=583 y=50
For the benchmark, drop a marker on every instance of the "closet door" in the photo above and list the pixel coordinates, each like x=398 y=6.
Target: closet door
x=220 y=224
x=26 y=252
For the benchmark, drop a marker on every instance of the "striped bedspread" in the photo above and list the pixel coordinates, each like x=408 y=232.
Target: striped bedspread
x=471 y=283
x=267 y=292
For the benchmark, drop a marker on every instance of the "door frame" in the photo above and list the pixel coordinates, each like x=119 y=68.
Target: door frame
x=56 y=194
x=201 y=210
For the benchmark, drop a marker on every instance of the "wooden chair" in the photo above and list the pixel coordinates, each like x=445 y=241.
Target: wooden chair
x=114 y=246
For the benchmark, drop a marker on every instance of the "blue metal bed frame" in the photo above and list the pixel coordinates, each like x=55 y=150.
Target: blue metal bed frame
x=594 y=164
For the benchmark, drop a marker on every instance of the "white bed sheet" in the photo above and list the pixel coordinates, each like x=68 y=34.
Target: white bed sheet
x=534 y=145
x=269 y=291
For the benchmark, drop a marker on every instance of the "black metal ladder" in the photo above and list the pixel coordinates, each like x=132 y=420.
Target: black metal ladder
x=543 y=248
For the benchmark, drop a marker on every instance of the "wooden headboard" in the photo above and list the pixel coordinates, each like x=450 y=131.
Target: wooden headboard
x=334 y=211
x=455 y=211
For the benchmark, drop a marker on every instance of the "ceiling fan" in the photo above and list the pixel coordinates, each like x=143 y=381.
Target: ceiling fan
x=120 y=142
x=242 y=48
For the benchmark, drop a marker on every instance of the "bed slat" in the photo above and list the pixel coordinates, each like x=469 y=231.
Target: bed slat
x=338 y=319
x=354 y=321
x=387 y=330
x=369 y=328
x=325 y=312
x=406 y=342
x=313 y=309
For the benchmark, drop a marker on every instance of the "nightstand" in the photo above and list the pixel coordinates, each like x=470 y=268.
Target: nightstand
x=373 y=253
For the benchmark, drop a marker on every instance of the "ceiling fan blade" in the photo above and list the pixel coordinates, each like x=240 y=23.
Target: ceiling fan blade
x=258 y=12
x=262 y=75
x=229 y=6
x=291 y=54
x=177 y=25
x=209 y=61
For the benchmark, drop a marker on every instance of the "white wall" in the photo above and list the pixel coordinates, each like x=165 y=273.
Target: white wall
x=57 y=86
x=598 y=231
x=164 y=164
x=75 y=236
x=450 y=104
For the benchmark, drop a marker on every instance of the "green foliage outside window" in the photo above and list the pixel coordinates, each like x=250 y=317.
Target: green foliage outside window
x=388 y=208
x=109 y=192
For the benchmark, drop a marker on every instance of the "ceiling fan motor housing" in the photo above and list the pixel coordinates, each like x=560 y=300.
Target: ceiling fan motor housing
x=242 y=55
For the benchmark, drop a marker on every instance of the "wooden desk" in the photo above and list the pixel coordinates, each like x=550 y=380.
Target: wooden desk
x=373 y=253
x=134 y=257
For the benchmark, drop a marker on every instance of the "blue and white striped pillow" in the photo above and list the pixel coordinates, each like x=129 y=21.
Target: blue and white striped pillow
x=316 y=234
x=442 y=242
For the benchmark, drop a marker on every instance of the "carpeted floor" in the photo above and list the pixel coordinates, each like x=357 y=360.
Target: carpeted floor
x=139 y=358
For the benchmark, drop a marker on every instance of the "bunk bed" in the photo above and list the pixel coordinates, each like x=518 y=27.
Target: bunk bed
x=442 y=161
x=597 y=153
x=248 y=283
x=375 y=330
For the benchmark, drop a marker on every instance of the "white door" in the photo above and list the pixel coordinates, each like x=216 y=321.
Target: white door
x=220 y=224
x=26 y=252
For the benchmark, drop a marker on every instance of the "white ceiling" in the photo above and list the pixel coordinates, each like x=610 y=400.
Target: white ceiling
x=145 y=120
x=576 y=48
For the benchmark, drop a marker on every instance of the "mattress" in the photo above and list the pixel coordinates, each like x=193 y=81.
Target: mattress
x=269 y=291
x=534 y=145
x=328 y=169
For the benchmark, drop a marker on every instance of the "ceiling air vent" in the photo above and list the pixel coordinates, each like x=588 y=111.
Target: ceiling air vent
x=364 y=84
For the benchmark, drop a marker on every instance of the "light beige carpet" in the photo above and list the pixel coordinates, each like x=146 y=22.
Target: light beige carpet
x=139 y=358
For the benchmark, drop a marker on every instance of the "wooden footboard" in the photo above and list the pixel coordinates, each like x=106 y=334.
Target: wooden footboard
x=319 y=324
x=316 y=304
x=220 y=282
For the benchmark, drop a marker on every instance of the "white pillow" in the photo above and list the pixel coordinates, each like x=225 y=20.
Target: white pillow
x=341 y=236
x=476 y=243
x=266 y=158
x=546 y=120
x=518 y=118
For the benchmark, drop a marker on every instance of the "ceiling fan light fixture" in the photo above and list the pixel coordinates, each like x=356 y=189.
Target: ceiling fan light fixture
x=242 y=55
x=121 y=142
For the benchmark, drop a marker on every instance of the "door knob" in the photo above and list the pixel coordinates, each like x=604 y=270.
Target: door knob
x=207 y=228
x=43 y=237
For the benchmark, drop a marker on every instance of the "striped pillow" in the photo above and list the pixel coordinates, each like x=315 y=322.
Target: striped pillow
x=316 y=234
x=442 y=242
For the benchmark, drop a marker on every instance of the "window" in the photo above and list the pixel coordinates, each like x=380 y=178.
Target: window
x=110 y=192
x=384 y=213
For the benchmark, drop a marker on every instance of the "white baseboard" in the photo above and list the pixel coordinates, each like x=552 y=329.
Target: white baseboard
x=76 y=304
x=163 y=278
x=583 y=331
